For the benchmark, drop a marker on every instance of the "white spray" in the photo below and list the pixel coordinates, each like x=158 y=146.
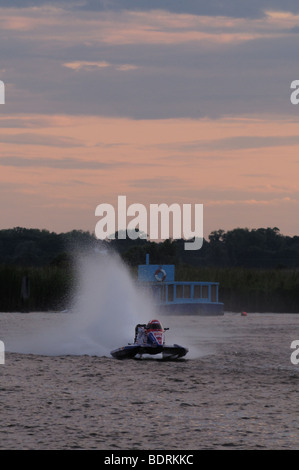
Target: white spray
x=106 y=306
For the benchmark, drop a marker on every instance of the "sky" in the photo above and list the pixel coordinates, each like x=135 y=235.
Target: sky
x=161 y=101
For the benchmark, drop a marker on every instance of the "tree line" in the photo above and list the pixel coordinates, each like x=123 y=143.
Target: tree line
x=241 y=247
x=257 y=269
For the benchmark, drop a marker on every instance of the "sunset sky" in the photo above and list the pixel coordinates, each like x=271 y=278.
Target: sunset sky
x=161 y=101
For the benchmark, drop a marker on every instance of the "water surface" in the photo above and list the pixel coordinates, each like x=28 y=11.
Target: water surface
x=237 y=388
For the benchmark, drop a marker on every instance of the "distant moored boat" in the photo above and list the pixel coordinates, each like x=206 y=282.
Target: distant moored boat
x=176 y=297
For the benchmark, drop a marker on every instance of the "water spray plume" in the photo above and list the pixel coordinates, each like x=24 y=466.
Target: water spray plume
x=108 y=303
x=106 y=306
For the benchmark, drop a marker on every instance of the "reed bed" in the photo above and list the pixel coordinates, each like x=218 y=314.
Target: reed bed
x=258 y=290
x=252 y=290
x=47 y=288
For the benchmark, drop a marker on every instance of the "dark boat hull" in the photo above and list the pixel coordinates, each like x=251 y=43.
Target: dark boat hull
x=132 y=350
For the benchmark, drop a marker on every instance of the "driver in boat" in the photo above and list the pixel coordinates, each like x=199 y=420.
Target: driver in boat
x=140 y=334
x=142 y=330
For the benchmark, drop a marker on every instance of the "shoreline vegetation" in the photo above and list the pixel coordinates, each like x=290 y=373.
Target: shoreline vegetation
x=258 y=270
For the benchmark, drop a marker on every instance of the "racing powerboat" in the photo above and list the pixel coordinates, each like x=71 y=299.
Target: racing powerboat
x=149 y=339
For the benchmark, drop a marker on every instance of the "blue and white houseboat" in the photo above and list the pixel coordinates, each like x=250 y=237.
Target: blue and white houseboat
x=175 y=297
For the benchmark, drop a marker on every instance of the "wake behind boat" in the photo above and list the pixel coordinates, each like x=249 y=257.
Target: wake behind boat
x=149 y=339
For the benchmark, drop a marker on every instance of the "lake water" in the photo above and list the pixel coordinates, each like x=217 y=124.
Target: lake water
x=236 y=389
